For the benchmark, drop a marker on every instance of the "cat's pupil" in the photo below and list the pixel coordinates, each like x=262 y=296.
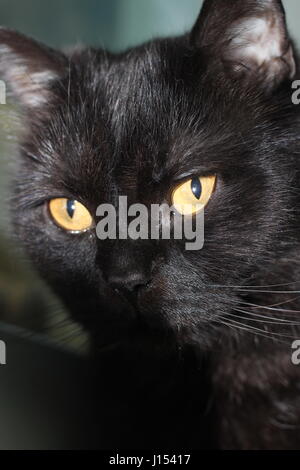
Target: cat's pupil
x=71 y=208
x=196 y=187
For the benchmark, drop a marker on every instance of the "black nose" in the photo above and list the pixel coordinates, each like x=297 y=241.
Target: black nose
x=127 y=266
x=129 y=281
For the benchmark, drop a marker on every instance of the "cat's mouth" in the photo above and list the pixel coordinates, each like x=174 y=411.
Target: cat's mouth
x=131 y=300
x=129 y=297
x=135 y=306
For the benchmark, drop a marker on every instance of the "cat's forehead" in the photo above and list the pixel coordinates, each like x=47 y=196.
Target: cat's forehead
x=142 y=116
x=136 y=104
x=144 y=90
x=141 y=101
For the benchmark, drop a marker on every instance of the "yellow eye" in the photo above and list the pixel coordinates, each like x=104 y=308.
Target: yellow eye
x=192 y=196
x=71 y=215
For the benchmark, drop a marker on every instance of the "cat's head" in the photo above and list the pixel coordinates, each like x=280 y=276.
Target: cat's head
x=212 y=103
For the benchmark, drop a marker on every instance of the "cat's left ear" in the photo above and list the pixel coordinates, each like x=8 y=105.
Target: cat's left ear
x=29 y=68
x=249 y=38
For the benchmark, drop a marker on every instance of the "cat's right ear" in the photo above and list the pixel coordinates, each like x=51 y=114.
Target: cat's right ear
x=29 y=68
x=249 y=38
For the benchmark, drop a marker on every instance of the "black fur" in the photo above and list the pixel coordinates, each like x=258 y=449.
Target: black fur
x=194 y=358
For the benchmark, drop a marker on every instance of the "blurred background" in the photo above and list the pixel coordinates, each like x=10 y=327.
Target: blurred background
x=116 y=25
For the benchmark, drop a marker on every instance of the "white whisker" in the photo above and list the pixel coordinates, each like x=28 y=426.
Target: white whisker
x=254 y=331
x=272 y=309
x=264 y=319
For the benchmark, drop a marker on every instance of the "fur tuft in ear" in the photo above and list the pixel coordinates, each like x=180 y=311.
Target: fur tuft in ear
x=249 y=37
x=28 y=68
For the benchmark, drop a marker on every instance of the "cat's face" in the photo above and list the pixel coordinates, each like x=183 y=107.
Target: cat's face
x=100 y=126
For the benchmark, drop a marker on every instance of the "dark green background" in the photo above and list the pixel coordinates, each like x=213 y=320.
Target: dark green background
x=112 y=23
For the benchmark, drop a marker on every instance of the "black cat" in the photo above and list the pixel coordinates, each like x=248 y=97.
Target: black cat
x=193 y=348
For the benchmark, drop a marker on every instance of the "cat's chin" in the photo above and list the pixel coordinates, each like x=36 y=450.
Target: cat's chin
x=142 y=321
x=111 y=322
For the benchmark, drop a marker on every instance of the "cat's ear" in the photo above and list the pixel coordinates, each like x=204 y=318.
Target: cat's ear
x=248 y=37
x=28 y=68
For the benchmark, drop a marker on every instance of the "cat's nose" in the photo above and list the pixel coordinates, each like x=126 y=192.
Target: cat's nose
x=127 y=266
x=129 y=281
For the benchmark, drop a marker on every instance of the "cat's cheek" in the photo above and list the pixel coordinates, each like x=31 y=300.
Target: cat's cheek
x=49 y=246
